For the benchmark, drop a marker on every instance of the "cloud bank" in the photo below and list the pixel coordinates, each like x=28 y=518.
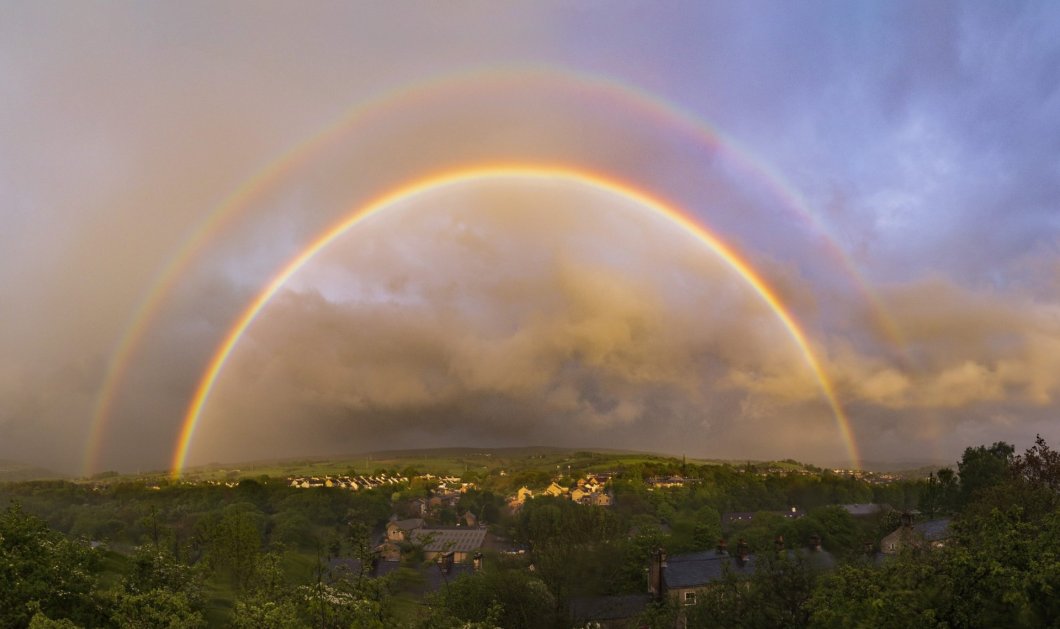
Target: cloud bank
x=922 y=140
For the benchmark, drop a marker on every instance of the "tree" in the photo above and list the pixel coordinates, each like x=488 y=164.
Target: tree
x=362 y=603
x=777 y=595
x=512 y=599
x=1001 y=567
x=1039 y=469
x=155 y=568
x=40 y=570
x=268 y=602
x=906 y=592
x=981 y=468
x=637 y=554
x=157 y=608
x=837 y=529
x=234 y=543
x=942 y=494
x=41 y=621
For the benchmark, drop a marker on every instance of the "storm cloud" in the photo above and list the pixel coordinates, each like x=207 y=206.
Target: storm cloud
x=921 y=140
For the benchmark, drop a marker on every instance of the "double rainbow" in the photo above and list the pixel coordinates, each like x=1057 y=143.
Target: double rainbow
x=425 y=93
x=517 y=172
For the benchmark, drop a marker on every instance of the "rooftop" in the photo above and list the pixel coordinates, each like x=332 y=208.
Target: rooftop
x=446 y=539
x=608 y=607
x=703 y=568
x=934 y=530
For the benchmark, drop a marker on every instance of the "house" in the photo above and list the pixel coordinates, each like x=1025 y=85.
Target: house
x=516 y=502
x=555 y=489
x=399 y=530
x=432 y=577
x=463 y=542
x=929 y=534
x=443 y=498
x=601 y=499
x=817 y=557
x=683 y=577
x=662 y=482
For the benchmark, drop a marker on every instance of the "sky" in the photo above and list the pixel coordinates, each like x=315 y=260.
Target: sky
x=889 y=170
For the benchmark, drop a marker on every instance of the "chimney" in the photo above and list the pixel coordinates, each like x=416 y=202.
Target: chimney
x=815 y=543
x=476 y=562
x=722 y=550
x=907 y=519
x=656 y=582
x=445 y=561
x=741 y=552
x=778 y=544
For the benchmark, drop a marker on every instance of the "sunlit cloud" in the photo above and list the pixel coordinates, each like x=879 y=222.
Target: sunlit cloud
x=890 y=170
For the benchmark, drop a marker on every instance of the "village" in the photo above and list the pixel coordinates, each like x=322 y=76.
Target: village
x=417 y=538
x=604 y=538
x=444 y=525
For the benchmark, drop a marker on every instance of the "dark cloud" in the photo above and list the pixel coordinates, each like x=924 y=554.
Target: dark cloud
x=922 y=137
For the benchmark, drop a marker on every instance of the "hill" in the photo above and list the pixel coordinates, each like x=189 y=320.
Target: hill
x=13 y=471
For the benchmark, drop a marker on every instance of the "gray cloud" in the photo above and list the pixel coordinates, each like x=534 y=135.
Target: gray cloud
x=923 y=137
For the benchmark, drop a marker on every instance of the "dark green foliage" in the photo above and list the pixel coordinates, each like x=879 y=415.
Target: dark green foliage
x=513 y=599
x=159 y=608
x=1000 y=569
x=256 y=555
x=982 y=468
x=292 y=529
x=1011 y=578
x=268 y=602
x=485 y=505
x=905 y=592
x=155 y=568
x=777 y=595
x=576 y=550
x=42 y=570
x=233 y=542
x=551 y=520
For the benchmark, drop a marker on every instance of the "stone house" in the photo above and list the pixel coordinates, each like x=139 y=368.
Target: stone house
x=683 y=577
x=399 y=530
x=929 y=534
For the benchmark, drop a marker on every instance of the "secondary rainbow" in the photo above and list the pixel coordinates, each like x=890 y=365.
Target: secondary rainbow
x=420 y=93
x=494 y=172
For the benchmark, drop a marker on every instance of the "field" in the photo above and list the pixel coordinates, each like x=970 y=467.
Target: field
x=446 y=461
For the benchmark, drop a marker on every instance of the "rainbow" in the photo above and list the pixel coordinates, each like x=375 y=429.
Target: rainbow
x=494 y=172
x=417 y=93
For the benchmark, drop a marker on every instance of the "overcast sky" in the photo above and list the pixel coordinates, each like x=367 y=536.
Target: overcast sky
x=891 y=170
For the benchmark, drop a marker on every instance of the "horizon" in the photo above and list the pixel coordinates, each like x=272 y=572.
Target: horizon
x=250 y=468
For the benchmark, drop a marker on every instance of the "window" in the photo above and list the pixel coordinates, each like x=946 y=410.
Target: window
x=690 y=598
